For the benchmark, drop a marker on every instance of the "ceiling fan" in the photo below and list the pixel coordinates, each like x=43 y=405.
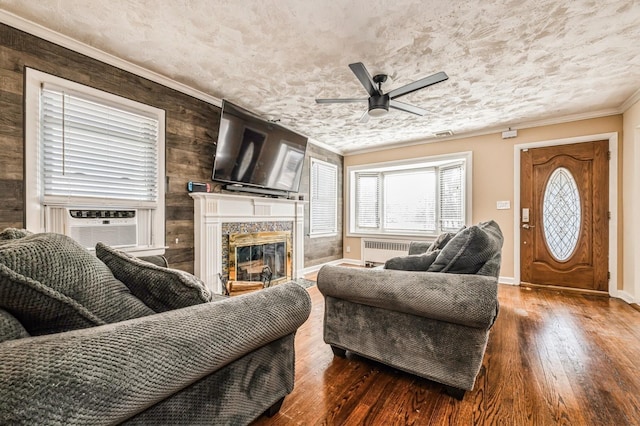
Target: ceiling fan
x=380 y=102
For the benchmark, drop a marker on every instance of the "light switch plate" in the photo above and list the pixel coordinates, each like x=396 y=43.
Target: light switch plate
x=503 y=205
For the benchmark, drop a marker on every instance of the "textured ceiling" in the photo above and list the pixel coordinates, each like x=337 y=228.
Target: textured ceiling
x=508 y=61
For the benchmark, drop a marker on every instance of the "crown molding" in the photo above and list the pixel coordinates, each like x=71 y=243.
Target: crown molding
x=488 y=131
x=631 y=101
x=327 y=147
x=100 y=55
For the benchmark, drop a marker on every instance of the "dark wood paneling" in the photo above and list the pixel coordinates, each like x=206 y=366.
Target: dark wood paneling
x=191 y=129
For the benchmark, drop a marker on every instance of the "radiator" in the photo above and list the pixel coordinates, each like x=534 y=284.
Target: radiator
x=379 y=251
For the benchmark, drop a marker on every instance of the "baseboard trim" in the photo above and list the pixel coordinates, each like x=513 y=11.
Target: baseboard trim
x=316 y=268
x=507 y=281
x=621 y=294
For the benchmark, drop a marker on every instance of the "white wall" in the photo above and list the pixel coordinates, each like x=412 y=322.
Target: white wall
x=631 y=203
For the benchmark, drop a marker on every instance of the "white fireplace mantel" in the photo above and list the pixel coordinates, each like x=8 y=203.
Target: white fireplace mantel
x=212 y=210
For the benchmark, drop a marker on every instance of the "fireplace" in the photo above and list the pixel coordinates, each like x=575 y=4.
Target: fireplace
x=218 y=216
x=250 y=253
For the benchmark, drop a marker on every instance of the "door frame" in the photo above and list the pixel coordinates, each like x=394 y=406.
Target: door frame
x=613 y=200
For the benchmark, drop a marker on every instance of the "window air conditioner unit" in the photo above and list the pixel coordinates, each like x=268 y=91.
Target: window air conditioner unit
x=115 y=228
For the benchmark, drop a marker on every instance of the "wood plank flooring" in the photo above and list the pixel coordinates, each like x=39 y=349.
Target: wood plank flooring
x=553 y=358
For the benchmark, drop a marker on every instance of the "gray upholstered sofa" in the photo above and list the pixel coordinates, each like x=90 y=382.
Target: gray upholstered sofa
x=430 y=315
x=153 y=346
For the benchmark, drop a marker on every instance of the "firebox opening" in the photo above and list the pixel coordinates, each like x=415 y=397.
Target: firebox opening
x=249 y=254
x=251 y=260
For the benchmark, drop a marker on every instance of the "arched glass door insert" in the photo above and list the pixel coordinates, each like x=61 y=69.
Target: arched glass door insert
x=561 y=214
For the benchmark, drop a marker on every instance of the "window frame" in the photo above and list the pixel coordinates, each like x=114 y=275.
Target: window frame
x=334 y=167
x=431 y=162
x=36 y=206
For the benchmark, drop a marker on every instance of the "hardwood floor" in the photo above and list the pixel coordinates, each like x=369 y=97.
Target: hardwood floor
x=552 y=358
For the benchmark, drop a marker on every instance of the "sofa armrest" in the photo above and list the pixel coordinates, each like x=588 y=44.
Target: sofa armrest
x=465 y=299
x=106 y=374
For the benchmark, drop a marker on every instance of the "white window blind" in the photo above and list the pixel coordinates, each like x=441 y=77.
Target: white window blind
x=324 y=198
x=93 y=149
x=367 y=200
x=451 y=197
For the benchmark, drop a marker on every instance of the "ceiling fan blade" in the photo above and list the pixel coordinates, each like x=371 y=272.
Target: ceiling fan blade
x=365 y=78
x=364 y=118
x=407 y=108
x=417 y=85
x=340 y=100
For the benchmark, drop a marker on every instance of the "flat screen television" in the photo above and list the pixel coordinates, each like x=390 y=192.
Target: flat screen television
x=254 y=152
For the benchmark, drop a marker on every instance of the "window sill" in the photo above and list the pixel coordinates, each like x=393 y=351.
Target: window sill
x=141 y=251
x=327 y=235
x=412 y=236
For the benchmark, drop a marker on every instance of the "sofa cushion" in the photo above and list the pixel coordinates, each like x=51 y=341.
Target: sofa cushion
x=10 y=327
x=419 y=262
x=162 y=289
x=469 y=249
x=51 y=284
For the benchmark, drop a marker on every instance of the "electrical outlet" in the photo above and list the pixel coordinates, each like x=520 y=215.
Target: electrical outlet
x=503 y=205
x=348 y=249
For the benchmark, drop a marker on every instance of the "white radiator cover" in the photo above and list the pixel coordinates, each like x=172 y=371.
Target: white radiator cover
x=380 y=250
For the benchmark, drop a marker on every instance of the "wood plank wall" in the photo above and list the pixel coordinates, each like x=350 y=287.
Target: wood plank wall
x=191 y=129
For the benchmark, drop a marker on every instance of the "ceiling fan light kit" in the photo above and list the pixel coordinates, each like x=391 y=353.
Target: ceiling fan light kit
x=380 y=102
x=378 y=105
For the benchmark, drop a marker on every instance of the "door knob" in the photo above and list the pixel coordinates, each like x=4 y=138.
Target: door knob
x=527 y=226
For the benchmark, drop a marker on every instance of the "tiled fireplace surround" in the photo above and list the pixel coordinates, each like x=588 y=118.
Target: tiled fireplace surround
x=218 y=215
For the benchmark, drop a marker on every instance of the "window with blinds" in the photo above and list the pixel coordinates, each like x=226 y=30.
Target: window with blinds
x=410 y=200
x=422 y=197
x=451 y=197
x=323 y=199
x=93 y=149
x=89 y=150
x=368 y=199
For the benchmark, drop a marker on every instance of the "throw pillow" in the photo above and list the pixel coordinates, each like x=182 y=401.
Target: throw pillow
x=469 y=249
x=10 y=327
x=441 y=241
x=162 y=289
x=418 y=247
x=52 y=284
x=420 y=262
x=10 y=234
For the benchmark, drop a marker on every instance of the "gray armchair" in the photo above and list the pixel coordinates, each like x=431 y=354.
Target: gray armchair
x=432 y=323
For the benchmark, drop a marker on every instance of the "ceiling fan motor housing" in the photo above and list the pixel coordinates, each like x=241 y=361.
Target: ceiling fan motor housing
x=378 y=105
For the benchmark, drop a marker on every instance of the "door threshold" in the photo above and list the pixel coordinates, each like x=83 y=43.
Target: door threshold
x=532 y=286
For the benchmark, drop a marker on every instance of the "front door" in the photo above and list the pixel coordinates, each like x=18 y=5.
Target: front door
x=564 y=218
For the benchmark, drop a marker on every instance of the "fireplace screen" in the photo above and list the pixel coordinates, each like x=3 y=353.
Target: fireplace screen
x=249 y=254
